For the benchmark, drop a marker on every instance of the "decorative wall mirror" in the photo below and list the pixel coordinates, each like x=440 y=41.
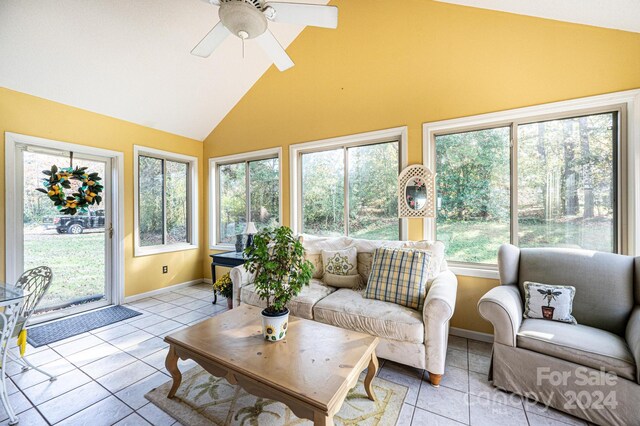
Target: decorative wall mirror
x=416 y=192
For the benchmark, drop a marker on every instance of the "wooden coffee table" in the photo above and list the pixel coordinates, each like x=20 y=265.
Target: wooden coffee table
x=311 y=371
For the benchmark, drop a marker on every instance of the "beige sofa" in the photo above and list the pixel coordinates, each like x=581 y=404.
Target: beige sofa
x=590 y=370
x=407 y=336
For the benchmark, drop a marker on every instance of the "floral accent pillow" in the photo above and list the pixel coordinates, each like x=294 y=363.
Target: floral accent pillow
x=550 y=302
x=341 y=268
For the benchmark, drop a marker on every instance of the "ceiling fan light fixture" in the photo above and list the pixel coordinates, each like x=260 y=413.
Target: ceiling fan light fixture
x=242 y=19
x=249 y=19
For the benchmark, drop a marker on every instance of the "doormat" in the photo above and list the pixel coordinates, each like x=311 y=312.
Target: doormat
x=58 y=330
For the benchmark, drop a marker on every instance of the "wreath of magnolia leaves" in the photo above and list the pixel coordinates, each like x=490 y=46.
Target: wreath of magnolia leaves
x=57 y=180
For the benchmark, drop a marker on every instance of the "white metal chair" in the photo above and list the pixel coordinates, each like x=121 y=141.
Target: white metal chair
x=9 y=313
x=34 y=283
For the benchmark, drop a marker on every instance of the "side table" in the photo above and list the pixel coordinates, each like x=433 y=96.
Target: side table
x=228 y=259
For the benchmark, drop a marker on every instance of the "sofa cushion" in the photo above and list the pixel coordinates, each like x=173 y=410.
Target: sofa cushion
x=315 y=245
x=341 y=268
x=316 y=261
x=603 y=281
x=550 y=302
x=437 y=250
x=399 y=276
x=349 y=309
x=579 y=344
x=300 y=306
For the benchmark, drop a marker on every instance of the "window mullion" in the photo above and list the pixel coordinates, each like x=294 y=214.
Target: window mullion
x=514 y=184
x=247 y=191
x=164 y=202
x=346 y=190
x=189 y=216
x=218 y=206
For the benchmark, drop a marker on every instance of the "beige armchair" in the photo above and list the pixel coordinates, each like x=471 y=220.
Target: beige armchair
x=590 y=370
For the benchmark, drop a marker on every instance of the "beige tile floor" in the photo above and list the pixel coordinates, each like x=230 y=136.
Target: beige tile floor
x=104 y=374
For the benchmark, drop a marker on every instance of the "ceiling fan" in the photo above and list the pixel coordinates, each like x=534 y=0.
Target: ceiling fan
x=249 y=19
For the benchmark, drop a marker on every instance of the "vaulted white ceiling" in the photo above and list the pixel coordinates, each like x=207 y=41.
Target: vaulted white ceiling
x=616 y=14
x=130 y=59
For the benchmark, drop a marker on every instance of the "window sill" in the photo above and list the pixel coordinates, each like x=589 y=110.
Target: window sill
x=476 y=271
x=223 y=247
x=151 y=250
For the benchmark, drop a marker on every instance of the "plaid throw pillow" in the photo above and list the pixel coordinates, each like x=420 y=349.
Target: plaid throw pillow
x=399 y=276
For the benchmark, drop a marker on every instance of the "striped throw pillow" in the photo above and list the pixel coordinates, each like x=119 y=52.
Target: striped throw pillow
x=399 y=276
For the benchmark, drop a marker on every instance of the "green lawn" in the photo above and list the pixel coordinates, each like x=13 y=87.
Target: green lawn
x=478 y=241
x=384 y=231
x=77 y=262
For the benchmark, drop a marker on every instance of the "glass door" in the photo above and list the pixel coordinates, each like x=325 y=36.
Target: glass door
x=76 y=247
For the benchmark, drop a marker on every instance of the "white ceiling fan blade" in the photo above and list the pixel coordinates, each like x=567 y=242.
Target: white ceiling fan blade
x=275 y=51
x=305 y=14
x=211 y=41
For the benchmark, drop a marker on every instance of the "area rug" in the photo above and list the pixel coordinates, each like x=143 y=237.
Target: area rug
x=58 y=330
x=204 y=400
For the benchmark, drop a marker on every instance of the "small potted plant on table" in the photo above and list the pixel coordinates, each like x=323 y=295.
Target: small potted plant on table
x=224 y=287
x=277 y=259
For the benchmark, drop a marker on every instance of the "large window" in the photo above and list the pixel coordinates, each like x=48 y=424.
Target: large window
x=351 y=190
x=165 y=201
x=549 y=182
x=473 y=193
x=247 y=188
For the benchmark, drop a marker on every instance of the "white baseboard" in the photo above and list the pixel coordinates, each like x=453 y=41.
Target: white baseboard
x=207 y=280
x=469 y=334
x=159 y=291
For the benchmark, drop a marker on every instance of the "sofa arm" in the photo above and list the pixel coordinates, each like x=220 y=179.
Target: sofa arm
x=502 y=306
x=633 y=338
x=240 y=277
x=438 y=310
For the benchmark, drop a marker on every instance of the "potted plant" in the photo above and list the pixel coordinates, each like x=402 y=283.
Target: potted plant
x=277 y=260
x=224 y=287
x=549 y=295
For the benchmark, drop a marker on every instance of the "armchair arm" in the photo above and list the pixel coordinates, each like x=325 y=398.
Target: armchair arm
x=240 y=277
x=508 y=264
x=502 y=306
x=438 y=310
x=633 y=338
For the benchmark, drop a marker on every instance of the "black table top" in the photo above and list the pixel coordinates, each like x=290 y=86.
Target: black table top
x=228 y=255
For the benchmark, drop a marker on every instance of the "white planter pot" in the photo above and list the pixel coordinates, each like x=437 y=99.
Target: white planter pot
x=274 y=327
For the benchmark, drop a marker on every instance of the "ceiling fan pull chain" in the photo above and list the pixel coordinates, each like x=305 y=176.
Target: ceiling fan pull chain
x=243 y=48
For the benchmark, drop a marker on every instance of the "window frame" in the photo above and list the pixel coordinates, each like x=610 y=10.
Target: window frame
x=192 y=201
x=626 y=104
x=399 y=134
x=214 y=190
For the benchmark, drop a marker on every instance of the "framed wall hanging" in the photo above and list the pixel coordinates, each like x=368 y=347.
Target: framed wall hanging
x=416 y=192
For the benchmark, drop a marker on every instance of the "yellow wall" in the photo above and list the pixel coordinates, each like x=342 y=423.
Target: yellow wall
x=416 y=61
x=29 y=115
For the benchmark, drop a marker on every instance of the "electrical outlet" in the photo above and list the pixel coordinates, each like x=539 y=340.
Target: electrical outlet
x=165 y=269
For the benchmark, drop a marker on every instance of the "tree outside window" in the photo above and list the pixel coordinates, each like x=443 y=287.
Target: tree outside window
x=565 y=187
x=362 y=177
